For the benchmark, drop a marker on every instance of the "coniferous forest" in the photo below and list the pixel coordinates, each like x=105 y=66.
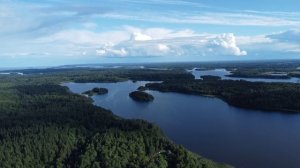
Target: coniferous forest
x=43 y=124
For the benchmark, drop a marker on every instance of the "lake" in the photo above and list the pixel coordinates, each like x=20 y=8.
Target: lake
x=210 y=127
x=223 y=74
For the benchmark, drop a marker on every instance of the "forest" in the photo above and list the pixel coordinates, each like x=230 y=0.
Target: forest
x=96 y=91
x=43 y=124
x=141 y=96
x=282 y=97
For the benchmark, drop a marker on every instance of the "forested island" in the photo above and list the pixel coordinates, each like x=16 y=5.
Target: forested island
x=141 y=96
x=96 y=91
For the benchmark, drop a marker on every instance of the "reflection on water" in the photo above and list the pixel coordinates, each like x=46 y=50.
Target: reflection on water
x=210 y=127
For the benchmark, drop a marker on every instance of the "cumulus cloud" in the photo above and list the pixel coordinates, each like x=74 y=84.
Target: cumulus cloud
x=227 y=44
x=163 y=47
x=138 y=36
x=164 y=42
x=157 y=33
x=109 y=50
x=79 y=30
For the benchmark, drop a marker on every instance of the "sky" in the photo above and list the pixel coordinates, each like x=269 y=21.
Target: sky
x=61 y=32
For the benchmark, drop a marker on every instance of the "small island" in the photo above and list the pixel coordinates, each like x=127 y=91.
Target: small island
x=96 y=91
x=141 y=88
x=141 y=96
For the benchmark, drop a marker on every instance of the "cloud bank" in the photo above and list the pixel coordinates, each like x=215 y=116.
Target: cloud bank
x=165 y=42
x=290 y=36
x=54 y=29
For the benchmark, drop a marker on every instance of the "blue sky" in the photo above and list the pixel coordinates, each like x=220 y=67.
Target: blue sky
x=57 y=32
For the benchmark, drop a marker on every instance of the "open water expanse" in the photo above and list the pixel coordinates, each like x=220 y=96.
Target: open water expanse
x=208 y=126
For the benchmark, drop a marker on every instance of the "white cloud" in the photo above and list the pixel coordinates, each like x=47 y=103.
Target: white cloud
x=85 y=37
x=132 y=41
x=55 y=30
x=297 y=50
x=162 y=33
x=163 y=47
x=255 y=40
x=290 y=36
x=227 y=43
x=165 y=42
x=138 y=36
x=287 y=42
x=135 y=42
x=109 y=50
x=211 y=18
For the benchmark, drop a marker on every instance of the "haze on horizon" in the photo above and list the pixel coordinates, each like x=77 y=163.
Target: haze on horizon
x=52 y=32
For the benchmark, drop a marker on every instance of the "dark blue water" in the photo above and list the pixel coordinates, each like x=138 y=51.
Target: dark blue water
x=223 y=74
x=210 y=127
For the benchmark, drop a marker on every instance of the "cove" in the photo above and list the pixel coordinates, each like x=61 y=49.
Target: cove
x=208 y=126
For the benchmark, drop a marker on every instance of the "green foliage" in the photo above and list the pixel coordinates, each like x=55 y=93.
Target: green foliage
x=96 y=91
x=283 y=97
x=210 y=77
x=141 y=96
x=42 y=124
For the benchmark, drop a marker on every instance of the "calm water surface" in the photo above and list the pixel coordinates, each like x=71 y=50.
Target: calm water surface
x=223 y=74
x=210 y=127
